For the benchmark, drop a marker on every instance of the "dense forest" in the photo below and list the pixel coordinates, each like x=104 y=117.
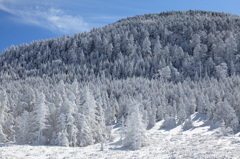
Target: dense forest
x=69 y=91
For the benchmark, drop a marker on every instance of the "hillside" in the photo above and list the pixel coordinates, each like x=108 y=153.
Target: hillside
x=191 y=43
x=165 y=67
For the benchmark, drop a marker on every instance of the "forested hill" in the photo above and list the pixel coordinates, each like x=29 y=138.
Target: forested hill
x=180 y=44
x=135 y=72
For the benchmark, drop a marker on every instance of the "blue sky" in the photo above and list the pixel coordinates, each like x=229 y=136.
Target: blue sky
x=23 y=21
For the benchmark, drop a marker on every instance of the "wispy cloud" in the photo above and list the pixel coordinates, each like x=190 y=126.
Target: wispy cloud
x=107 y=18
x=44 y=16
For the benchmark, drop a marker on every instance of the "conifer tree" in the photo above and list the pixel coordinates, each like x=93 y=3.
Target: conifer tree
x=146 y=46
x=3 y=137
x=3 y=106
x=92 y=126
x=39 y=121
x=135 y=136
x=23 y=123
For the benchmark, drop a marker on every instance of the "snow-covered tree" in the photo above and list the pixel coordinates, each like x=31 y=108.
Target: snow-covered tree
x=85 y=133
x=3 y=106
x=3 y=137
x=146 y=46
x=92 y=126
x=135 y=136
x=63 y=138
x=39 y=121
x=23 y=125
x=165 y=73
x=181 y=111
x=68 y=121
x=9 y=127
x=169 y=122
x=188 y=124
x=221 y=70
x=157 y=47
x=3 y=114
x=226 y=113
x=122 y=133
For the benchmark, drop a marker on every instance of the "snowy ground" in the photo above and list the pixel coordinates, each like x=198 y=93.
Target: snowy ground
x=202 y=141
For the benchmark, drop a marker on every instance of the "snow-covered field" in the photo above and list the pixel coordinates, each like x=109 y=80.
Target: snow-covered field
x=202 y=141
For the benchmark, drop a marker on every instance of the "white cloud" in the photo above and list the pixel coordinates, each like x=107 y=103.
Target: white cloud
x=108 y=18
x=42 y=15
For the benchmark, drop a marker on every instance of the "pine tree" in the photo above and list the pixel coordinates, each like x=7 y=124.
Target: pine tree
x=63 y=138
x=3 y=137
x=157 y=47
x=122 y=129
x=3 y=106
x=23 y=123
x=9 y=128
x=85 y=133
x=169 y=122
x=146 y=46
x=221 y=70
x=151 y=111
x=135 y=137
x=39 y=121
x=68 y=121
x=92 y=126
x=165 y=73
x=188 y=123
x=181 y=112
x=226 y=113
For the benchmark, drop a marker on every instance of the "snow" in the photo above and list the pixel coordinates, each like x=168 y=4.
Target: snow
x=204 y=140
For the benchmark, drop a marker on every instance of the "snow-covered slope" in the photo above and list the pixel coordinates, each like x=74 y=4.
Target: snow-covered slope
x=174 y=64
x=202 y=141
x=191 y=43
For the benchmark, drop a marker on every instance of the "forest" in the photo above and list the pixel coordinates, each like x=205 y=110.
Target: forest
x=71 y=90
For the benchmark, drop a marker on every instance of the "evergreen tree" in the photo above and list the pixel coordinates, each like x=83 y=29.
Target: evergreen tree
x=3 y=106
x=39 y=121
x=3 y=137
x=135 y=137
x=23 y=125
x=93 y=125
x=226 y=113
x=146 y=46
x=63 y=138
x=181 y=112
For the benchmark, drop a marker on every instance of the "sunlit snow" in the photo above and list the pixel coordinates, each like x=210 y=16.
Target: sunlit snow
x=204 y=140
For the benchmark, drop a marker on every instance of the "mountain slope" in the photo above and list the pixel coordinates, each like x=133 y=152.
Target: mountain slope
x=191 y=43
x=68 y=91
